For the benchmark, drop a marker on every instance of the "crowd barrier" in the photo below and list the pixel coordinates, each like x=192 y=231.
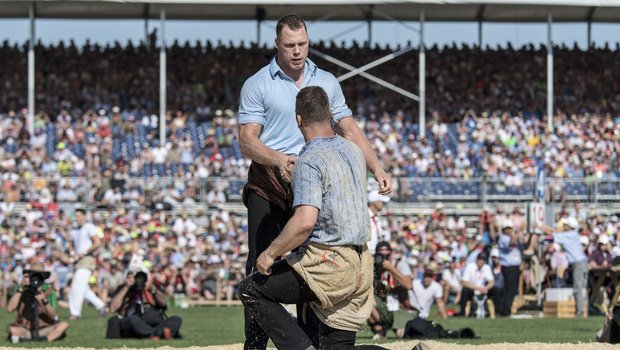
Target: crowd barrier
x=214 y=191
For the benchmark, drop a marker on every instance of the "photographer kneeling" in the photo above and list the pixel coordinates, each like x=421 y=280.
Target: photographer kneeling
x=393 y=280
x=141 y=307
x=36 y=318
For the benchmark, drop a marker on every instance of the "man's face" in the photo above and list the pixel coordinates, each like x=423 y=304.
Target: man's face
x=427 y=281
x=480 y=263
x=292 y=48
x=385 y=251
x=80 y=218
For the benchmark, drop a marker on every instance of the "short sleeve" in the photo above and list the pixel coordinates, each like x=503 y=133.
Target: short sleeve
x=337 y=103
x=251 y=107
x=504 y=242
x=488 y=274
x=91 y=229
x=438 y=292
x=404 y=268
x=307 y=189
x=466 y=274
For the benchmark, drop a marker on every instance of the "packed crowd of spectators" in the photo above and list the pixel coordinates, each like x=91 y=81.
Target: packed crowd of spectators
x=189 y=255
x=202 y=255
x=114 y=157
x=205 y=76
x=96 y=141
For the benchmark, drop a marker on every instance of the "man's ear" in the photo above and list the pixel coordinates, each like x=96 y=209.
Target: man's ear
x=276 y=43
x=299 y=123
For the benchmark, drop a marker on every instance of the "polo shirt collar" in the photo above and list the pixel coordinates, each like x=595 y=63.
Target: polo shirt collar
x=309 y=68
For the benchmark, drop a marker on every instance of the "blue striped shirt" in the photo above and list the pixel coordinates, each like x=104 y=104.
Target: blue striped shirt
x=330 y=175
x=268 y=98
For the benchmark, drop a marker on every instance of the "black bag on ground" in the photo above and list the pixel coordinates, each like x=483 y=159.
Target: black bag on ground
x=114 y=328
x=419 y=328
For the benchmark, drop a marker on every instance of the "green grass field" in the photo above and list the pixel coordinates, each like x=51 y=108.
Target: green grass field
x=204 y=326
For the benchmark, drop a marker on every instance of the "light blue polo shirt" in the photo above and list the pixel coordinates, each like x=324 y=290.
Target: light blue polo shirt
x=330 y=175
x=268 y=99
x=509 y=255
x=572 y=245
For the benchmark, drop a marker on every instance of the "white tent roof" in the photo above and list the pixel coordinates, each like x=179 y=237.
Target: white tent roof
x=435 y=10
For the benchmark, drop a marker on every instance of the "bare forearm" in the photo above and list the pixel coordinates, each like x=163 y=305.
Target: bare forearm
x=160 y=297
x=469 y=285
x=95 y=246
x=256 y=150
x=401 y=280
x=293 y=235
x=116 y=302
x=355 y=135
x=48 y=309
x=442 y=308
x=13 y=302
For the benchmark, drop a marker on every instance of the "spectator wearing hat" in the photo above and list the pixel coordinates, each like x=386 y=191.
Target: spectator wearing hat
x=47 y=325
x=569 y=238
x=378 y=233
x=477 y=280
x=601 y=256
x=510 y=261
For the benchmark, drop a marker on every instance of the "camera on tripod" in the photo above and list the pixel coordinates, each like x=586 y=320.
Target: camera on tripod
x=37 y=276
x=36 y=280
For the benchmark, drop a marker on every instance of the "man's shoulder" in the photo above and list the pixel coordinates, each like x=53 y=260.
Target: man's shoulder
x=323 y=74
x=258 y=78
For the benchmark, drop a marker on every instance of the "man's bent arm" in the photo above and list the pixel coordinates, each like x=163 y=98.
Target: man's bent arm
x=117 y=301
x=292 y=236
x=14 y=301
x=348 y=129
x=253 y=148
x=442 y=307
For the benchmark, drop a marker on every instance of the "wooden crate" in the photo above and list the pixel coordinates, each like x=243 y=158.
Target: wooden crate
x=559 y=309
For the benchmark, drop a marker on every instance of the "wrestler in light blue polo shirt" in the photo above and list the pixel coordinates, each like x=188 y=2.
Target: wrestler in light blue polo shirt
x=268 y=99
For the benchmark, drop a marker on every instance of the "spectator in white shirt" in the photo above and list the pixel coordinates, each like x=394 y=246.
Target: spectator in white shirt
x=424 y=292
x=451 y=281
x=378 y=233
x=477 y=279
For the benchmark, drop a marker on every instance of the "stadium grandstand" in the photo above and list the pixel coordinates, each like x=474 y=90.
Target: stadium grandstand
x=92 y=138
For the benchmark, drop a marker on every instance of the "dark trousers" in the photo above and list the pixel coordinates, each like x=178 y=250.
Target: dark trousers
x=468 y=295
x=261 y=295
x=265 y=222
x=511 y=288
x=135 y=327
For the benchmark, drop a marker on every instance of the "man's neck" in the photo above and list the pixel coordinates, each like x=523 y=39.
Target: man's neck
x=318 y=130
x=296 y=75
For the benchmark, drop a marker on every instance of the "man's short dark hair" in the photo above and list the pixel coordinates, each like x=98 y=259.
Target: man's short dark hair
x=80 y=210
x=312 y=105
x=292 y=21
